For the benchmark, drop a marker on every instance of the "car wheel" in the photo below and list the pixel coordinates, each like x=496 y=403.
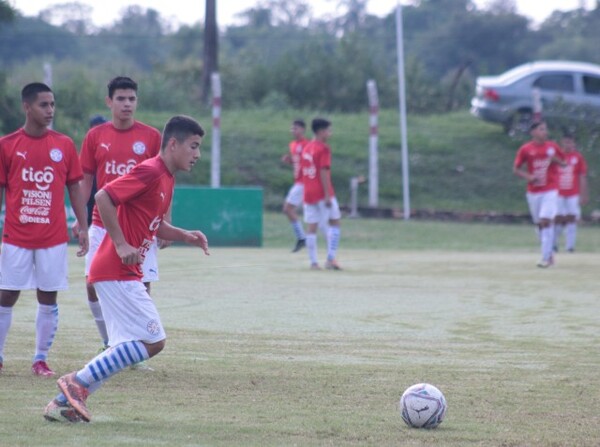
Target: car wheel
x=519 y=123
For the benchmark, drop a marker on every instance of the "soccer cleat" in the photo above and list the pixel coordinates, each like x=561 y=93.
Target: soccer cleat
x=315 y=266
x=76 y=394
x=59 y=412
x=300 y=244
x=332 y=265
x=41 y=368
x=141 y=366
x=571 y=250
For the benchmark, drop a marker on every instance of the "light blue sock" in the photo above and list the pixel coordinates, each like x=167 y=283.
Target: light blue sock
x=111 y=361
x=46 y=325
x=333 y=242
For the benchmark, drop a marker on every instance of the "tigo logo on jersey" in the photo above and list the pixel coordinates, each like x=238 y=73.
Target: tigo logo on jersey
x=56 y=155
x=42 y=179
x=139 y=147
x=112 y=167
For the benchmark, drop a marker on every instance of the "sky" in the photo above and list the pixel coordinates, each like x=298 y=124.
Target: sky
x=192 y=11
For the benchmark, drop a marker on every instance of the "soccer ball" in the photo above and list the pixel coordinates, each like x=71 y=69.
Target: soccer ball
x=423 y=406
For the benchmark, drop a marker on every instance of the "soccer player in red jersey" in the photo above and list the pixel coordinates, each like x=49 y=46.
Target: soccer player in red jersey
x=294 y=196
x=110 y=150
x=572 y=193
x=133 y=209
x=537 y=162
x=36 y=163
x=320 y=203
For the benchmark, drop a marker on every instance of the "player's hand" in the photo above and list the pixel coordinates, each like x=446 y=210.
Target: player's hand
x=328 y=202
x=129 y=255
x=163 y=243
x=75 y=229
x=84 y=242
x=198 y=239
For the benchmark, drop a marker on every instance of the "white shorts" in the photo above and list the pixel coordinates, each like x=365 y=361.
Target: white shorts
x=542 y=205
x=41 y=268
x=149 y=267
x=295 y=194
x=129 y=312
x=569 y=206
x=318 y=212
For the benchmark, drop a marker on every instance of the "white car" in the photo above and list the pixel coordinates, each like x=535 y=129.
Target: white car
x=566 y=89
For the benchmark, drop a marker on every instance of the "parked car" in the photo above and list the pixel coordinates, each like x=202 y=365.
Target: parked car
x=565 y=89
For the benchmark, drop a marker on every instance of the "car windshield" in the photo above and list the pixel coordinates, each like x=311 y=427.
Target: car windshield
x=514 y=73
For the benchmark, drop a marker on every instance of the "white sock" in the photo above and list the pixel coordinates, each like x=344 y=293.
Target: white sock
x=333 y=242
x=111 y=361
x=311 y=247
x=324 y=227
x=5 y=321
x=99 y=319
x=547 y=239
x=298 y=230
x=46 y=324
x=571 y=235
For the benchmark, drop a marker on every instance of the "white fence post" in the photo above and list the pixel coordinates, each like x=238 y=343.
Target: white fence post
x=373 y=143
x=215 y=162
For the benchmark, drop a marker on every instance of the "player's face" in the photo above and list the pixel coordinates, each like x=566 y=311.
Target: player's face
x=123 y=104
x=540 y=133
x=187 y=153
x=568 y=144
x=297 y=131
x=41 y=111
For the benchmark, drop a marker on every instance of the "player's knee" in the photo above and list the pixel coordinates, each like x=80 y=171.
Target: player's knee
x=91 y=292
x=155 y=348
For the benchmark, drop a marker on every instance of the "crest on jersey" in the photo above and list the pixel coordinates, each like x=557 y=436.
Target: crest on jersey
x=56 y=155
x=550 y=151
x=139 y=148
x=153 y=327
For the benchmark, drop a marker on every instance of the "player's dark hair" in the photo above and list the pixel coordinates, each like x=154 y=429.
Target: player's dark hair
x=31 y=91
x=300 y=123
x=122 y=83
x=180 y=127
x=535 y=125
x=319 y=124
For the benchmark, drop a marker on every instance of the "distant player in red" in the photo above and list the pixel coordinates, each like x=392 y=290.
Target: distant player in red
x=294 y=197
x=36 y=163
x=133 y=209
x=537 y=162
x=110 y=150
x=572 y=193
x=320 y=203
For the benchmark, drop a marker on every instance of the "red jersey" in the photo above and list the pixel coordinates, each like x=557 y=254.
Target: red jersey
x=538 y=157
x=108 y=153
x=296 y=147
x=142 y=198
x=316 y=156
x=34 y=172
x=569 y=175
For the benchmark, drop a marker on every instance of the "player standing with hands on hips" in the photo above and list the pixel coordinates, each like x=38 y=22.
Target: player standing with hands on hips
x=36 y=163
x=133 y=209
x=537 y=162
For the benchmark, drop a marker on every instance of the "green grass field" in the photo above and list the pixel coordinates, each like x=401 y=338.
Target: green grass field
x=262 y=351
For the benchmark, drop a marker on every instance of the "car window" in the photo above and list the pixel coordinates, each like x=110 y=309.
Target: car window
x=591 y=85
x=555 y=82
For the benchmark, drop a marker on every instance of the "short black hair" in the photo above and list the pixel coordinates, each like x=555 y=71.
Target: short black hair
x=96 y=120
x=299 y=122
x=121 y=82
x=180 y=127
x=319 y=124
x=534 y=125
x=31 y=91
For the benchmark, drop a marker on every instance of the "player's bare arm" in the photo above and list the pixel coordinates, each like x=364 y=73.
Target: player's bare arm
x=521 y=172
x=196 y=238
x=86 y=190
x=78 y=203
x=108 y=212
x=164 y=243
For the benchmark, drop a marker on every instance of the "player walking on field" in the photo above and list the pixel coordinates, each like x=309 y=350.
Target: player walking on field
x=294 y=197
x=537 y=162
x=133 y=209
x=36 y=163
x=320 y=203
x=572 y=193
x=110 y=150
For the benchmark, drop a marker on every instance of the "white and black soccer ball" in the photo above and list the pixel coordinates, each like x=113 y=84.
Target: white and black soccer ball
x=423 y=406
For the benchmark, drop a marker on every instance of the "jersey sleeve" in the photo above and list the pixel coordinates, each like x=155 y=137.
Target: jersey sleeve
x=3 y=165
x=86 y=156
x=519 y=158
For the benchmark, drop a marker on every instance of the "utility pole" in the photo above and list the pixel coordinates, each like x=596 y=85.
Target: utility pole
x=211 y=47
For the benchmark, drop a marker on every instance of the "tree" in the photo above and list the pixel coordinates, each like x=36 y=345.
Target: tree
x=211 y=47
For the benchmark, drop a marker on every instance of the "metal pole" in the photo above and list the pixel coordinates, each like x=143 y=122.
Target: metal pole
x=215 y=161
x=402 y=101
x=373 y=143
